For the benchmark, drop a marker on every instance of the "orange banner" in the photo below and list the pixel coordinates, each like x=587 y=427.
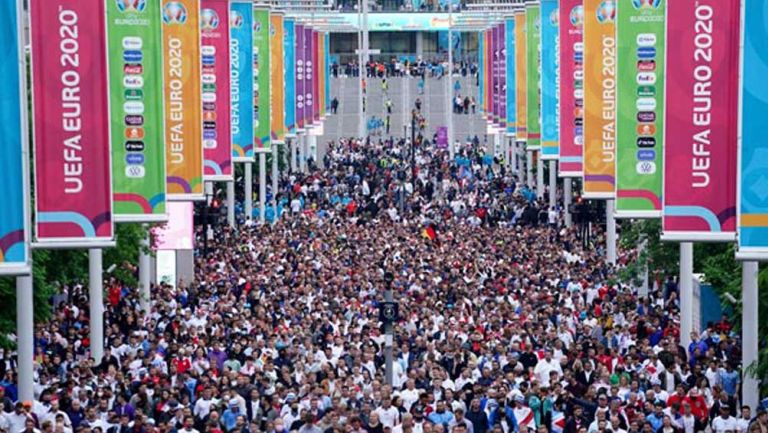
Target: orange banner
x=182 y=95
x=276 y=65
x=321 y=74
x=599 y=99
x=521 y=76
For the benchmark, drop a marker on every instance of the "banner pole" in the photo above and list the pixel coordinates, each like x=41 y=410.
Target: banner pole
x=275 y=179
x=686 y=293
x=96 y=303
x=749 y=331
x=292 y=150
x=249 y=190
x=529 y=168
x=567 y=199
x=231 y=204
x=25 y=329
x=552 y=183
x=539 y=176
x=263 y=188
x=144 y=272
x=610 y=239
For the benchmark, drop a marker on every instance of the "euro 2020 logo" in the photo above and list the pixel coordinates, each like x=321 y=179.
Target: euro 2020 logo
x=606 y=12
x=209 y=19
x=131 y=5
x=577 y=16
x=646 y=4
x=554 y=18
x=174 y=13
x=235 y=20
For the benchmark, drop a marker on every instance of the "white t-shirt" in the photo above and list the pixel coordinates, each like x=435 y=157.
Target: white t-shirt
x=720 y=424
x=389 y=417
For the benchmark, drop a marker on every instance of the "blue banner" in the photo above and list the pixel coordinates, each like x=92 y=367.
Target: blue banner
x=14 y=251
x=753 y=153
x=290 y=76
x=481 y=70
x=327 y=84
x=550 y=81
x=241 y=67
x=509 y=43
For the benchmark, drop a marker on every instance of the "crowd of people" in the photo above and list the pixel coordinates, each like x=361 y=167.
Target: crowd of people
x=507 y=323
x=418 y=68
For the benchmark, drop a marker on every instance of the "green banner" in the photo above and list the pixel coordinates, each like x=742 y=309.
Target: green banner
x=640 y=111
x=136 y=110
x=533 y=65
x=262 y=132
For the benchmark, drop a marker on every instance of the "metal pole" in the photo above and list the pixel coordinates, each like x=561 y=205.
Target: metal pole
x=529 y=168
x=263 y=187
x=249 y=190
x=642 y=292
x=275 y=178
x=686 y=293
x=25 y=329
x=567 y=199
x=389 y=340
x=96 y=304
x=231 y=204
x=294 y=153
x=449 y=97
x=749 y=326
x=144 y=271
x=539 y=176
x=610 y=239
x=552 y=184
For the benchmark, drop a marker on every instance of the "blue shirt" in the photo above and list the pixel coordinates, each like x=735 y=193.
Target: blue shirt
x=729 y=381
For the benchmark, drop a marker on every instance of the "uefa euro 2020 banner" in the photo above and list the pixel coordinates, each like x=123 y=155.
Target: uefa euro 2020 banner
x=640 y=28
x=289 y=73
x=327 y=81
x=183 y=103
x=261 y=72
x=217 y=147
x=550 y=135
x=511 y=101
x=14 y=179
x=73 y=181
x=701 y=101
x=299 y=70
x=502 y=76
x=134 y=41
x=753 y=155
x=571 y=99
x=309 y=73
x=599 y=94
x=533 y=64
x=521 y=72
x=276 y=63
x=241 y=82
x=315 y=78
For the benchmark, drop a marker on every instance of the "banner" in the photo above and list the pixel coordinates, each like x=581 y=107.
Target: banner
x=327 y=82
x=700 y=152
x=289 y=47
x=315 y=78
x=488 y=76
x=533 y=75
x=571 y=103
x=134 y=38
x=216 y=75
x=481 y=71
x=73 y=179
x=261 y=79
x=276 y=64
x=502 y=76
x=550 y=81
x=309 y=75
x=495 y=66
x=241 y=82
x=179 y=232
x=521 y=76
x=509 y=79
x=321 y=66
x=753 y=152
x=183 y=103
x=14 y=176
x=300 y=66
x=599 y=99
x=640 y=108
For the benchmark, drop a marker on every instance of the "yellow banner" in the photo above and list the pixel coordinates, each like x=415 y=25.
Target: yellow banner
x=599 y=99
x=182 y=97
x=276 y=65
x=521 y=76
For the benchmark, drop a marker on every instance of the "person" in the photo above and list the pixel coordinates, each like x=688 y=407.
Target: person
x=334 y=105
x=724 y=422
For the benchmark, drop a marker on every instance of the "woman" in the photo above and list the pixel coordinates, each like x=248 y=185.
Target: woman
x=374 y=426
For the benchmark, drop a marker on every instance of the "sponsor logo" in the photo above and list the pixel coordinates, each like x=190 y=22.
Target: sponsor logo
x=579 y=140
x=578 y=84
x=133 y=81
x=134 y=133
x=174 y=13
x=208 y=50
x=134 y=146
x=134 y=94
x=209 y=60
x=646 y=116
x=133 y=120
x=578 y=93
x=132 y=43
x=646 y=91
x=578 y=112
x=209 y=70
x=209 y=116
x=133 y=107
x=208 y=87
x=132 y=56
x=134 y=158
x=579 y=130
x=209 y=19
x=578 y=102
x=646 y=78
x=578 y=74
x=209 y=125
x=577 y=16
x=133 y=69
x=578 y=57
x=578 y=47
x=646 y=129
x=646 y=142
x=209 y=134
x=646 y=167
x=131 y=5
x=235 y=19
x=210 y=144
x=645 y=104
x=646 y=4
x=646 y=155
x=135 y=171
x=578 y=122
x=209 y=106
x=646 y=65
x=209 y=97
x=606 y=12
x=208 y=78
x=646 y=39
x=646 y=52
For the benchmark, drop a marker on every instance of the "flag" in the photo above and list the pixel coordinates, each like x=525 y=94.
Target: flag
x=429 y=233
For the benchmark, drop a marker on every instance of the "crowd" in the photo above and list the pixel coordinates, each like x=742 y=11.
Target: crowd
x=405 y=68
x=507 y=323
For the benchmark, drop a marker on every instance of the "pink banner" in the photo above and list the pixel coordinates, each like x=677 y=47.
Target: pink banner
x=571 y=88
x=214 y=30
x=73 y=184
x=309 y=75
x=702 y=105
x=316 y=77
x=178 y=232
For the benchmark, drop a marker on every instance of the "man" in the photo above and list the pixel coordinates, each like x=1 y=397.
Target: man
x=388 y=414
x=188 y=426
x=309 y=424
x=545 y=366
x=441 y=415
x=744 y=421
x=460 y=420
x=477 y=417
x=724 y=422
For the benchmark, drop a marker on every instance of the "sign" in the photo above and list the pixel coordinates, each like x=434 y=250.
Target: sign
x=533 y=75
x=511 y=100
x=14 y=178
x=521 y=76
x=550 y=136
x=134 y=37
x=183 y=104
x=300 y=84
x=501 y=36
x=241 y=80
x=702 y=93
x=753 y=152
x=315 y=78
x=309 y=74
x=571 y=103
x=290 y=76
x=599 y=95
x=178 y=233
x=276 y=63
x=327 y=80
x=217 y=151
x=481 y=71
x=261 y=94
x=640 y=110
